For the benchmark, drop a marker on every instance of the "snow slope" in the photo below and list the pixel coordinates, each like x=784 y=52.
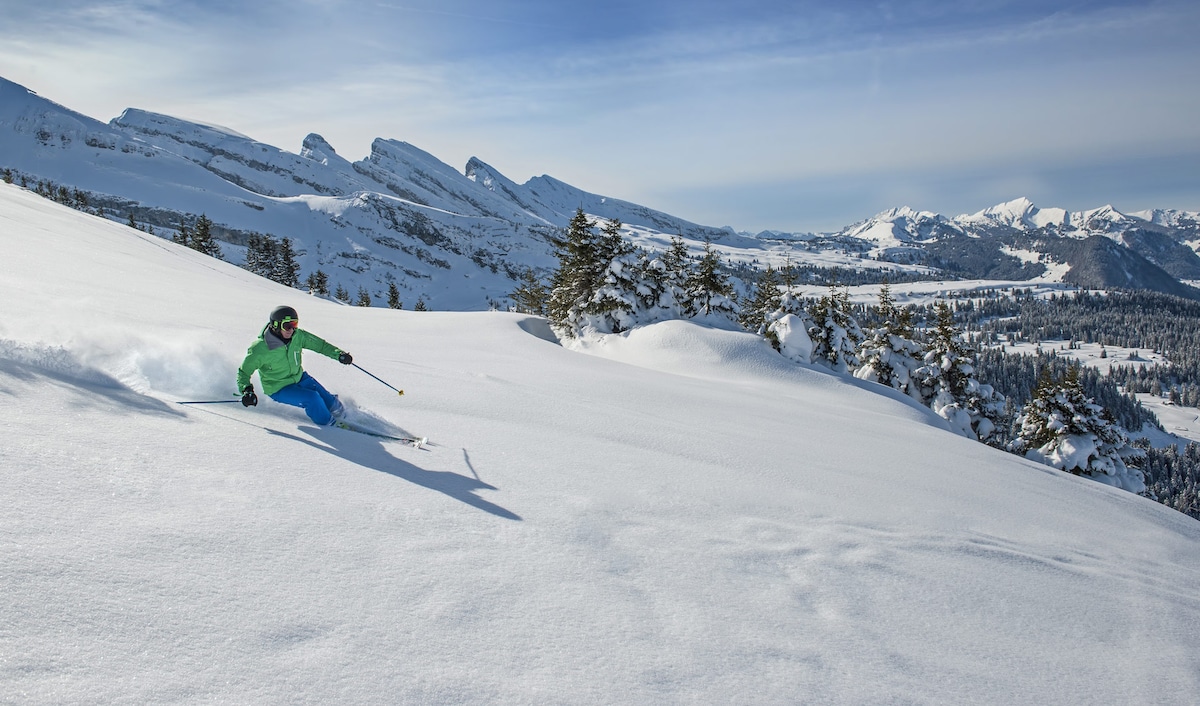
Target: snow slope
x=677 y=516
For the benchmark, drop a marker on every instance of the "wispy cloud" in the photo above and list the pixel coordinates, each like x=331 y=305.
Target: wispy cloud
x=648 y=98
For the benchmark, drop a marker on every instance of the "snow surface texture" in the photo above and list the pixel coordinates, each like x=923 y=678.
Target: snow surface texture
x=678 y=516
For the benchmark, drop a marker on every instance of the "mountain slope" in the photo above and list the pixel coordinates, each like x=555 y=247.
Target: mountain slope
x=463 y=239
x=399 y=216
x=680 y=516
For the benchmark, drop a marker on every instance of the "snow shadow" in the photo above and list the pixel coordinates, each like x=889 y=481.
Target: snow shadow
x=34 y=365
x=370 y=452
x=540 y=328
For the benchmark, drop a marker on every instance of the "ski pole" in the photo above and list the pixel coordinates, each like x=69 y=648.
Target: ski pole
x=360 y=368
x=210 y=401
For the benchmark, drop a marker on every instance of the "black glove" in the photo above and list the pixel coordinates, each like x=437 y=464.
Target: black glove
x=249 y=399
x=345 y=358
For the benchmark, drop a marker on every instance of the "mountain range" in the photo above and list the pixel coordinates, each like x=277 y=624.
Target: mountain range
x=461 y=239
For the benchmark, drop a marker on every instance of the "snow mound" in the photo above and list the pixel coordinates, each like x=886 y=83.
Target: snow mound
x=692 y=350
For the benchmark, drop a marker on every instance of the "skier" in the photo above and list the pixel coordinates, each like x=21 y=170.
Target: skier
x=276 y=357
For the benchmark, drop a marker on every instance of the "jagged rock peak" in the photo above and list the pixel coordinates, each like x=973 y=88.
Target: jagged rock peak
x=317 y=149
x=486 y=175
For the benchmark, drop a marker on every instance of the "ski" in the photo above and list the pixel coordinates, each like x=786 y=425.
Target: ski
x=417 y=442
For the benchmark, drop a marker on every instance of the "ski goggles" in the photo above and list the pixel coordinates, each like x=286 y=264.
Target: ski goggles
x=289 y=324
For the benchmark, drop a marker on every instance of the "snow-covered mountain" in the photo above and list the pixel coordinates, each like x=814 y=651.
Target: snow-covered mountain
x=1099 y=248
x=677 y=516
x=461 y=239
x=457 y=239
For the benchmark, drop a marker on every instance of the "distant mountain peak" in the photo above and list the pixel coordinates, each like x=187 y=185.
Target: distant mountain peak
x=1020 y=213
x=318 y=149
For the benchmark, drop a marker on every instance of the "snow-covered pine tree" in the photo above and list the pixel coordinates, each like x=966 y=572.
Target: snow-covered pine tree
x=763 y=302
x=890 y=354
x=679 y=269
x=1063 y=428
x=341 y=294
x=834 y=332
x=710 y=294
x=655 y=302
x=948 y=385
x=662 y=290
x=574 y=282
x=393 y=297
x=598 y=285
x=614 y=306
x=364 y=297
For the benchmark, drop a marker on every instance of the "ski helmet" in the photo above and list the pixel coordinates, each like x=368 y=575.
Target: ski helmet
x=282 y=314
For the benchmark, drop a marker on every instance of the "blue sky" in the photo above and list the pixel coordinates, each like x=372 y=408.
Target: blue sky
x=757 y=114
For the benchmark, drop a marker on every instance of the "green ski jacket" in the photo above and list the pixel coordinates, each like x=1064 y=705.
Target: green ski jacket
x=278 y=361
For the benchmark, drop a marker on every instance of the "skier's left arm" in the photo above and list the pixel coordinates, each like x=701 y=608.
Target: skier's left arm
x=315 y=343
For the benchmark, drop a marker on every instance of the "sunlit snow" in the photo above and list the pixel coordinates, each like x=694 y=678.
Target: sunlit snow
x=677 y=515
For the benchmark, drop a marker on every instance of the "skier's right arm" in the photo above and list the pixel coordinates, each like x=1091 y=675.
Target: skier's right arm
x=249 y=365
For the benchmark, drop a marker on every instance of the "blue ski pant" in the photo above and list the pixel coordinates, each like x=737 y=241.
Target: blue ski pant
x=308 y=394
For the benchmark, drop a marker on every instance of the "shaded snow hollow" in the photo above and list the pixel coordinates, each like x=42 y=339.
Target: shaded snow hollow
x=677 y=516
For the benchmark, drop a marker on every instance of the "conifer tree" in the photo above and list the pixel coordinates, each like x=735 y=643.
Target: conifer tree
x=261 y=255
x=789 y=325
x=788 y=276
x=364 y=297
x=574 y=282
x=948 y=385
x=393 y=297
x=202 y=239
x=709 y=291
x=764 y=300
x=318 y=283
x=8 y=176
x=530 y=296
x=184 y=235
x=662 y=291
x=341 y=294
x=131 y=223
x=421 y=305
x=614 y=306
x=284 y=268
x=834 y=332
x=1063 y=428
x=891 y=354
x=680 y=269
